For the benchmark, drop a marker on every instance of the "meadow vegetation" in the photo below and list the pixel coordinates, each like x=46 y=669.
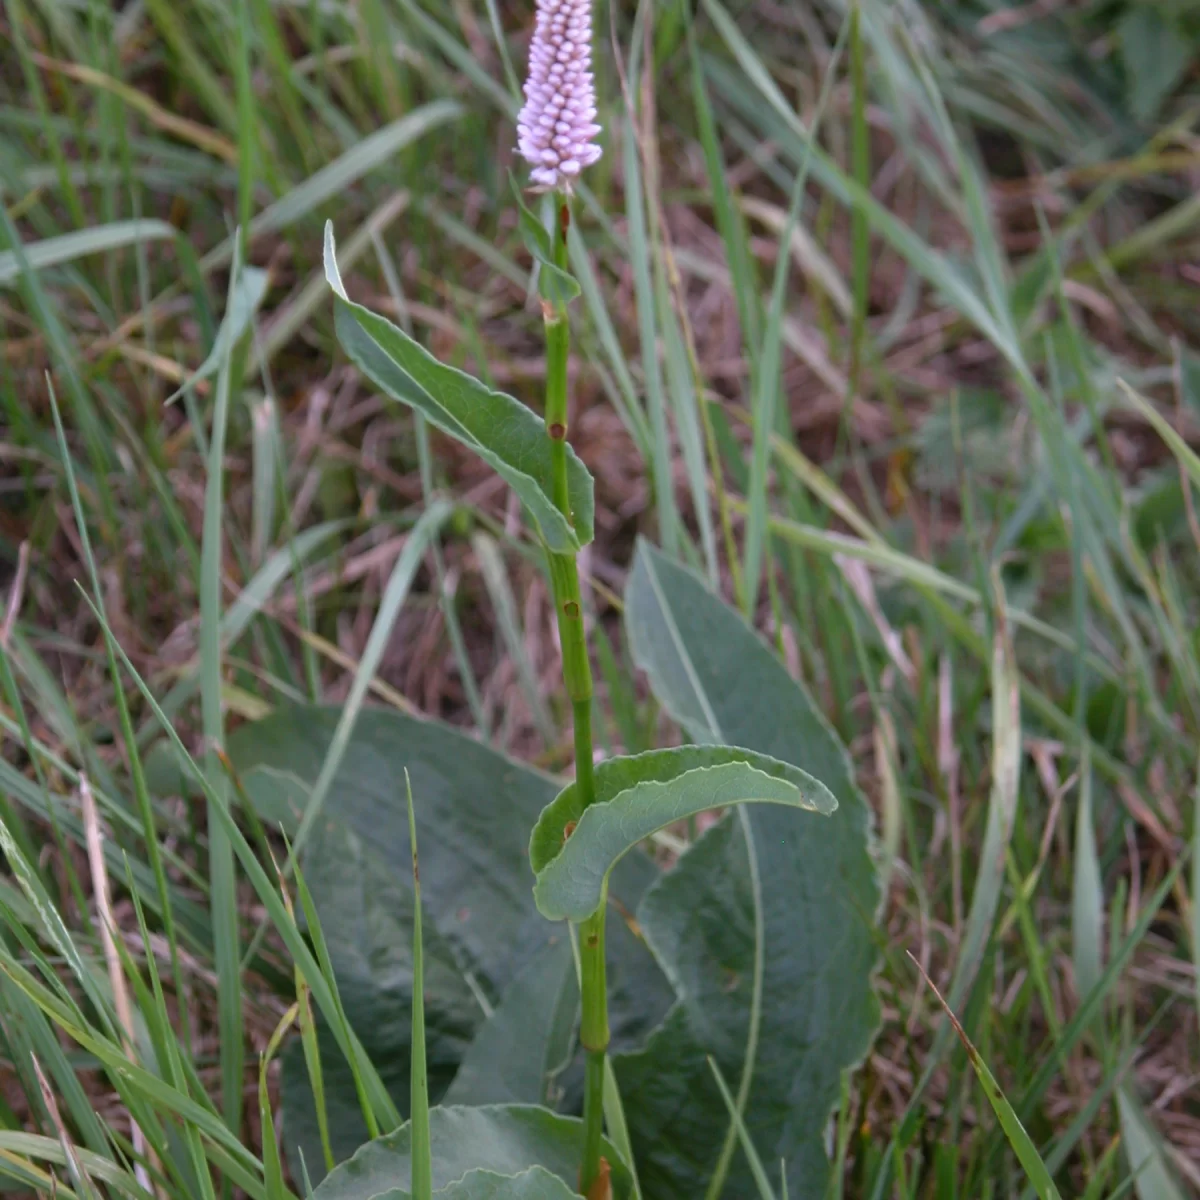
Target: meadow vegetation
x=887 y=331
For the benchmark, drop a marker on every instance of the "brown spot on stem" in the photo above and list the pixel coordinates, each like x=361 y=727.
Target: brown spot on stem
x=548 y=313
x=564 y=218
x=601 y=1188
x=571 y=608
x=593 y=940
x=557 y=431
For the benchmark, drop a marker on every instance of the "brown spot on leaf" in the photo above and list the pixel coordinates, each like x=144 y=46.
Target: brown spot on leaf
x=568 y=829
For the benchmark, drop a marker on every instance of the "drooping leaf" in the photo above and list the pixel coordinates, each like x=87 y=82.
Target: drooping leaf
x=481 y=930
x=503 y=1139
x=764 y=925
x=509 y=437
x=572 y=850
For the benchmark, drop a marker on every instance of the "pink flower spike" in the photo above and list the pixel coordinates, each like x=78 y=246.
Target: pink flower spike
x=557 y=123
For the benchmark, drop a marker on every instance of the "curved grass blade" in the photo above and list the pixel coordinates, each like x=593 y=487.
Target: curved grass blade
x=756 y=1168
x=1022 y=1144
x=421 y=1174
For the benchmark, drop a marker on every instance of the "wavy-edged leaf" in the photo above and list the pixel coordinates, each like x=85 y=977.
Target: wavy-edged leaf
x=509 y=437
x=506 y=1139
x=639 y=795
x=481 y=930
x=764 y=926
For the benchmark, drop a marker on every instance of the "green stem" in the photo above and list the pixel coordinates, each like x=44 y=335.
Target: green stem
x=577 y=675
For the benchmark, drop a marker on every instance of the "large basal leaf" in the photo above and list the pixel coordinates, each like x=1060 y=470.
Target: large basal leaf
x=509 y=437
x=506 y=1139
x=528 y=1040
x=573 y=849
x=535 y=1184
x=474 y=812
x=365 y=906
x=767 y=903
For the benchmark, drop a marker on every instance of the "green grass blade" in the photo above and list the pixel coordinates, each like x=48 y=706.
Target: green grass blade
x=504 y=605
x=421 y=1184
x=756 y=1168
x=68 y=247
x=1087 y=899
x=641 y=256
x=1014 y=1131
x=395 y=593
x=322 y=990
x=1144 y=1150
x=222 y=873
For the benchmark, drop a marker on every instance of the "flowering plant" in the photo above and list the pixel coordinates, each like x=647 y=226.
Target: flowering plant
x=661 y=1120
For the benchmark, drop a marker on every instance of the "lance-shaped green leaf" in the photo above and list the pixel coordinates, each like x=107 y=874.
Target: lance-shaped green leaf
x=573 y=849
x=509 y=437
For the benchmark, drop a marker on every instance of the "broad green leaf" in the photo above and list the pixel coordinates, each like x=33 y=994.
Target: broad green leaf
x=528 y=1039
x=367 y=911
x=572 y=850
x=481 y=930
x=535 y=1184
x=764 y=926
x=509 y=437
x=504 y=1139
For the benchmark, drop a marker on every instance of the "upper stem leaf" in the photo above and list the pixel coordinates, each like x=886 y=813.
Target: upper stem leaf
x=573 y=849
x=509 y=437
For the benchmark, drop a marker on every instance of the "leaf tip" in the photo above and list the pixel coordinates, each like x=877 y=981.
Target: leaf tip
x=332 y=275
